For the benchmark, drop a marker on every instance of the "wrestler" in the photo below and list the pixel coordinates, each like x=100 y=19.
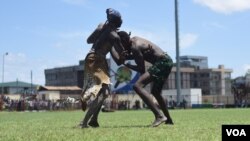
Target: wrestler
x=142 y=50
x=96 y=72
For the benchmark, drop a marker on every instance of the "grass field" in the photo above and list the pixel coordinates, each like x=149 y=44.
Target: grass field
x=190 y=125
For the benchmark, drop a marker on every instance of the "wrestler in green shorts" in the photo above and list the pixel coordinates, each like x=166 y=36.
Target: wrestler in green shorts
x=161 y=69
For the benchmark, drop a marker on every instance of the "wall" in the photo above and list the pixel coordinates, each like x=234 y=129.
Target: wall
x=49 y=95
x=216 y=99
x=192 y=96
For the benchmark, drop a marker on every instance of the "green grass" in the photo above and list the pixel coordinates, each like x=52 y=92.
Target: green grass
x=190 y=125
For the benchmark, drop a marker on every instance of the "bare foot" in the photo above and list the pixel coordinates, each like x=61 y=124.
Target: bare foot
x=158 y=121
x=94 y=124
x=169 y=121
x=84 y=126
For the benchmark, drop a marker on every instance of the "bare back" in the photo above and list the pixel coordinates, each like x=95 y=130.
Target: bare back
x=149 y=51
x=103 y=38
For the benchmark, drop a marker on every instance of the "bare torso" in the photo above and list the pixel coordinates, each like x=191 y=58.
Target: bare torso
x=150 y=52
x=103 y=38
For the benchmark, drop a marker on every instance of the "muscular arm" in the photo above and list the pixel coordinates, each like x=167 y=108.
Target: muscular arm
x=116 y=56
x=117 y=59
x=129 y=56
x=140 y=65
x=117 y=51
x=92 y=38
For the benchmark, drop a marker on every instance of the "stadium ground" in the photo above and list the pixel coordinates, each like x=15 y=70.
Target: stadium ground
x=190 y=125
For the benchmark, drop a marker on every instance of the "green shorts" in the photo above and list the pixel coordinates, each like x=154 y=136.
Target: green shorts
x=161 y=69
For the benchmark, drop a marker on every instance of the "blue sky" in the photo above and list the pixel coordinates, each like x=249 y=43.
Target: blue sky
x=42 y=34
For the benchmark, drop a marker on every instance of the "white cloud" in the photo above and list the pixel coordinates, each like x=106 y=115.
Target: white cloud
x=246 y=67
x=69 y=41
x=13 y=59
x=163 y=40
x=58 y=45
x=240 y=71
x=187 y=40
x=19 y=66
x=214 y=25
x=166 y=40
x=225 y=6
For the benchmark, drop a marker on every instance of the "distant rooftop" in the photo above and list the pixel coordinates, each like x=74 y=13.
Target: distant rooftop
x=193 y=56
x=17 y=84
x=58 y=88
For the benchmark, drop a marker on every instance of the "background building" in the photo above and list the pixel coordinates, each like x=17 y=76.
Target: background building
x=65 y=76
x=57 y=92
x=199 y=62
x=18 y=87
x=213 y=81
x=194 y=74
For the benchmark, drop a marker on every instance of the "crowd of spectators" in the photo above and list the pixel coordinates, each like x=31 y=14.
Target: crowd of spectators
x=38 y=105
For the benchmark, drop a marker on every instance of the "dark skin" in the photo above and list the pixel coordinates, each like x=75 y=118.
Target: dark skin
x=142 y=50
x=105 y=40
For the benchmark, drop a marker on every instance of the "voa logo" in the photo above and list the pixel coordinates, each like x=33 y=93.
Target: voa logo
x=236 y=132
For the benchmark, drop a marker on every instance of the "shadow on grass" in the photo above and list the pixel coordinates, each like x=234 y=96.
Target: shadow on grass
x=128 y=126
x=116 y=126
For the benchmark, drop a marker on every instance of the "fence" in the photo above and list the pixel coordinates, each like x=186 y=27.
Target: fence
x=213 y=99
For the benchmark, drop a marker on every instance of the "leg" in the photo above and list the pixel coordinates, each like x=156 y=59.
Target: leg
x=84 y=98
x=104 y=94
x=93 y=121
x=156 y=91
x=138 y=87
x=92 y=109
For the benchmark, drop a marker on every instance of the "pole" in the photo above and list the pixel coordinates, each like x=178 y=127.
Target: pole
x=178 y=80
x=31 y=82
x=17 y=85
x=3 y=72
